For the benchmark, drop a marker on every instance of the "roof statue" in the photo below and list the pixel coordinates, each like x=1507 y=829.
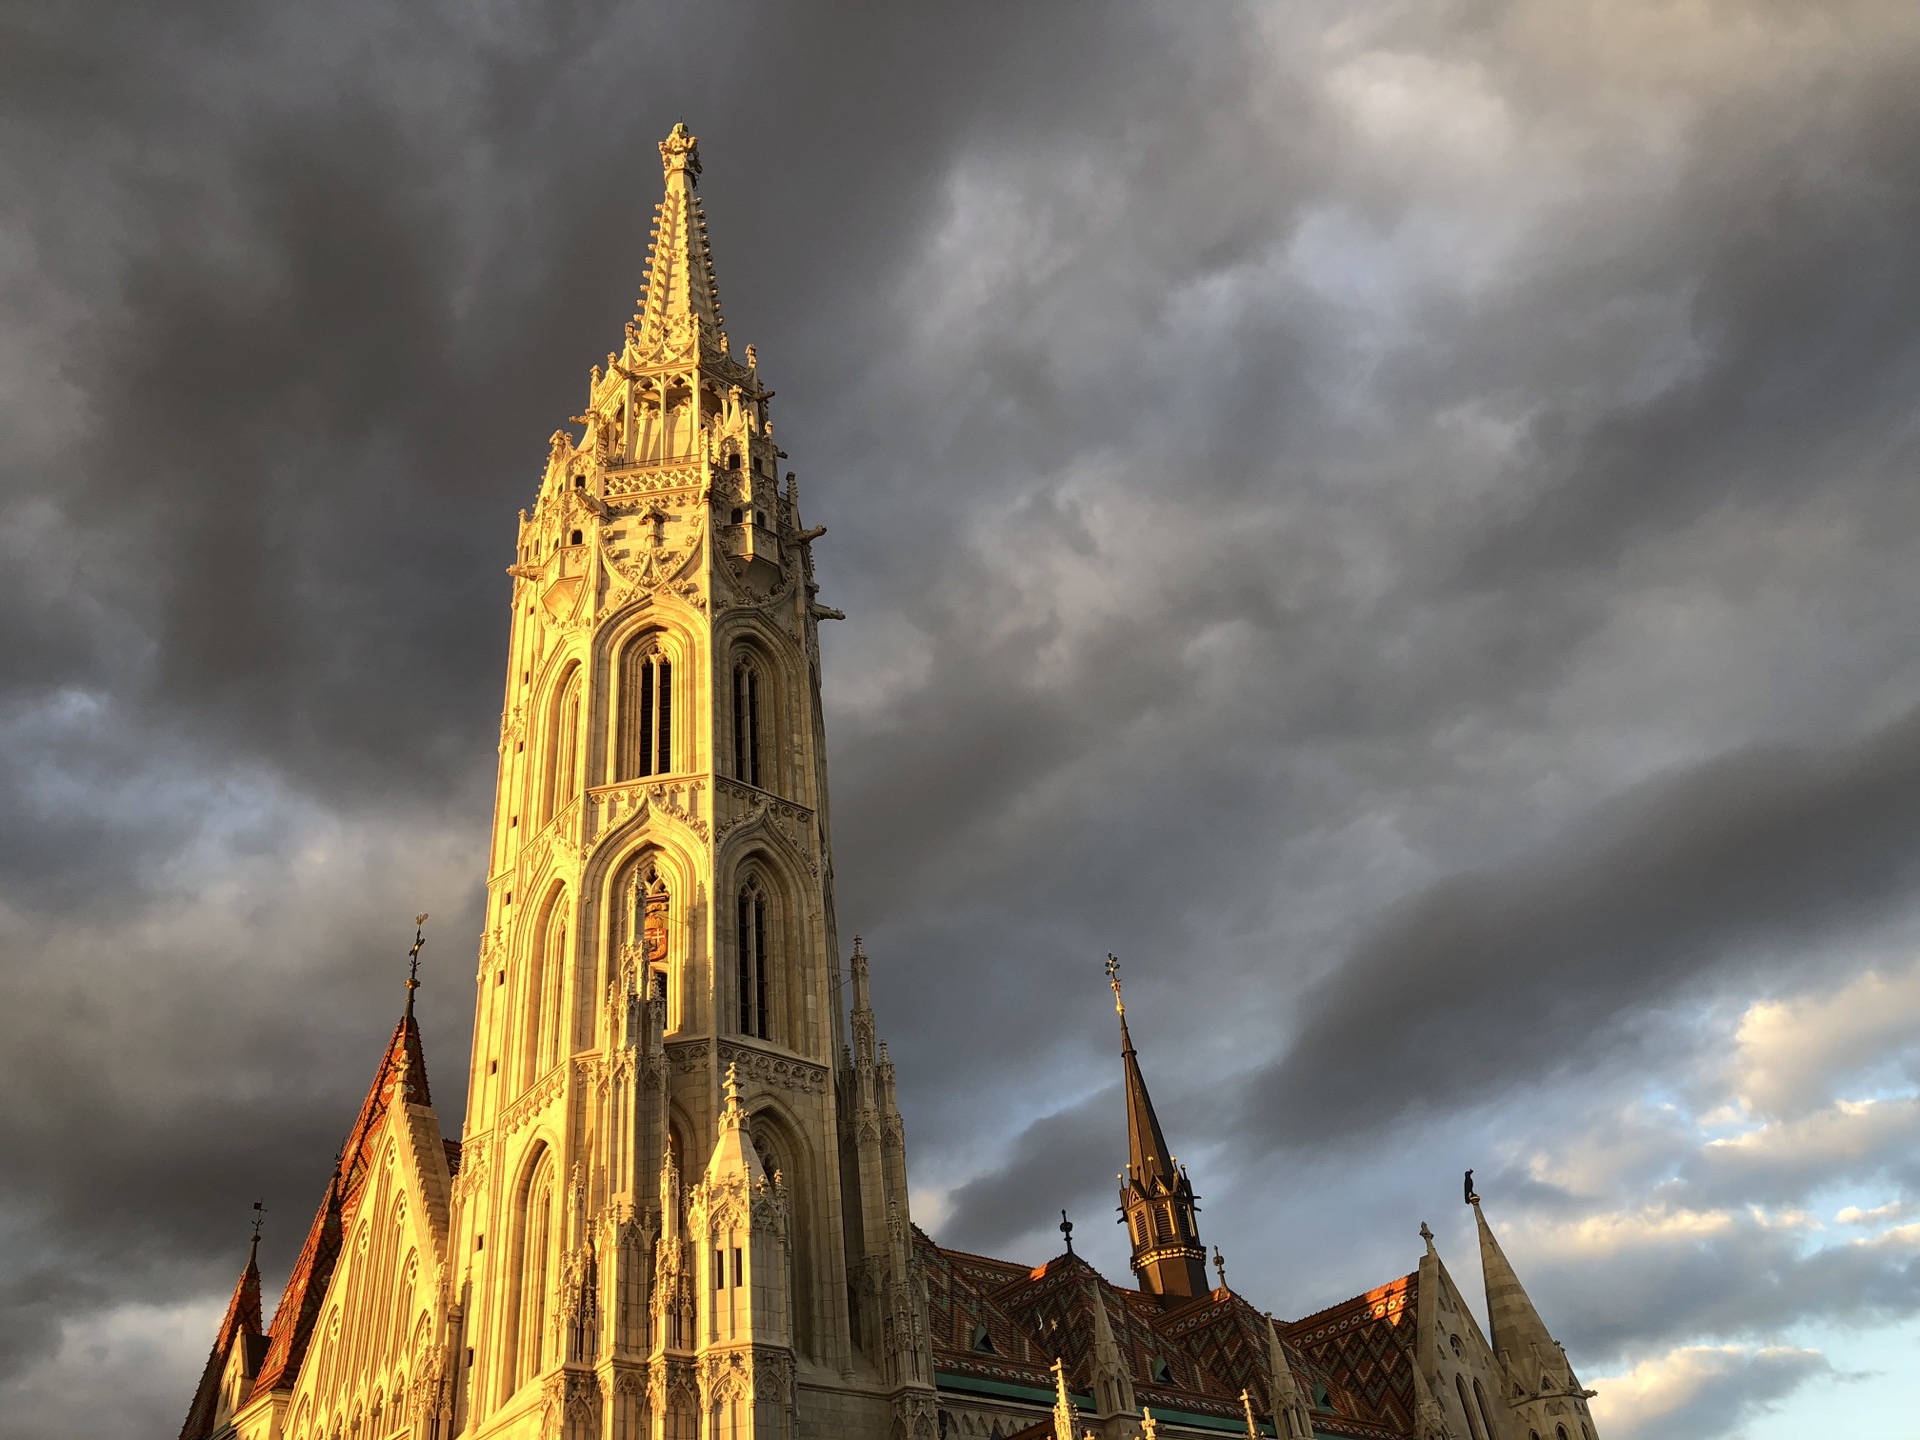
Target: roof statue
x=679 y=1203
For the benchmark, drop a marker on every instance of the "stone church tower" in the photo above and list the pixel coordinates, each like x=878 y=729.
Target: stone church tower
x=666 y=1113
x=678 y=1208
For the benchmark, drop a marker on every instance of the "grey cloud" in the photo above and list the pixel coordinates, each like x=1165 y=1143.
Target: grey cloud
x=1486 y=978
x=1056 y=1163
x=1703 y=1394
x=1728 y=1277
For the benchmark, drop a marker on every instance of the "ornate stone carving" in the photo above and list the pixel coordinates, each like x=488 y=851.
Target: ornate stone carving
x=677 y=800
x=541 y=1095
x=688 y=1056
x=775 y=1071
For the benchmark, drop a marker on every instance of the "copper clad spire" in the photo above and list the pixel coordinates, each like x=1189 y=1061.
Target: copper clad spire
x=1157 y=1203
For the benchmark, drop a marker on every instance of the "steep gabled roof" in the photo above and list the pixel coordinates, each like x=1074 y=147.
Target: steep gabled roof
x=240 y=1325
x=402 y=1066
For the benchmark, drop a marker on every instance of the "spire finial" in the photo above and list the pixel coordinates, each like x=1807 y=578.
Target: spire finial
x=680 y=151
x=1426 y=1234
x=1467 y=1189
x=413 y=957
x=1066 y=1229
x=1149 y=1427
x=1113 y=979
x=733 y=1085
x=1246 y=1405
x=1220 y=1265
x=259 y=1219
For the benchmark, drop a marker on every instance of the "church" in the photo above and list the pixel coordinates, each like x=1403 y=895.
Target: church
x=677 y=1208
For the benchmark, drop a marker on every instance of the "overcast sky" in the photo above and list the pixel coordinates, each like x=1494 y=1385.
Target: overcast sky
x=1398 y=519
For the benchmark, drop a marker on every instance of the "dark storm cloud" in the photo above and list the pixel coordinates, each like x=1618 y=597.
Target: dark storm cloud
x=1055 y=1164
x=1488 y=978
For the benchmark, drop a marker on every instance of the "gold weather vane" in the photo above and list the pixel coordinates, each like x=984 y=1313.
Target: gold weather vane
x=259 y=1217
x=1113 y=979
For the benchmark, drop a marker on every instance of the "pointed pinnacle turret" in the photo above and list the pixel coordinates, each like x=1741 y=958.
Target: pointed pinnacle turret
x=1515 y=1330
x=733 y=1151
x=1284 y=1402
x=1112 y=1382
x=239 y=1326
x=680 y=279
x=1157 y=1203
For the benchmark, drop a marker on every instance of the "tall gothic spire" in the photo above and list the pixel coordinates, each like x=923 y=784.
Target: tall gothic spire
x=1515 y=1327
x=1535 y=1364
x=680 y=281
x=1157 y=1203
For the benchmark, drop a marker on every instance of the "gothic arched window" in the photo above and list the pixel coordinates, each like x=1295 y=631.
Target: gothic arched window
x=746 y=722
x=751 y=958
x=552 y=1003
x=541 y=1039
x=563 y=747
x=646 y=741
x=1480 y=1401
x=527 y=1299
x=1466 y=1409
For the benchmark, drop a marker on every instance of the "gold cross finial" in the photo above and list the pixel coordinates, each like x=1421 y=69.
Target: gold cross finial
x=1113 y=979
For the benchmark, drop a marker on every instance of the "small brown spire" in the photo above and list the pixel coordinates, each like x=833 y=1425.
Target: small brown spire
x=1157 y=1202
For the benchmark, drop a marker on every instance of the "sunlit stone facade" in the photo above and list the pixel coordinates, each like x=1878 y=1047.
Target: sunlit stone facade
x=678 y=1209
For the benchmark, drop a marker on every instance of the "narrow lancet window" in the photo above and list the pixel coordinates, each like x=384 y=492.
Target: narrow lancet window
x=746 y=724
x=751 y=960
x=648 y=737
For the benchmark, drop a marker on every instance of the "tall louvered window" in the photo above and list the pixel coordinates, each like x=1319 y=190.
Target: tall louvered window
x=746 y=723
x=646 y=727
x=750 y=953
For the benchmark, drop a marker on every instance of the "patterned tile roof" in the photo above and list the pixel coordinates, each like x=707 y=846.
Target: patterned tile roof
x=993 y=1320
